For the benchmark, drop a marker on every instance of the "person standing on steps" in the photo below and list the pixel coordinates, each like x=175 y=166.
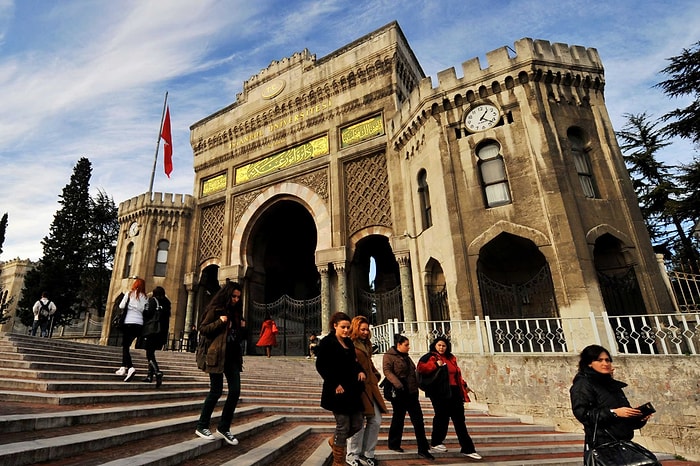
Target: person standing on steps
x=400 y=372
x=343 y=380
x=132 y=304
x=362 y=445
x=156 y=318
x=448 y=395
x=43 y=310
x=219 y=355
x=268 y=335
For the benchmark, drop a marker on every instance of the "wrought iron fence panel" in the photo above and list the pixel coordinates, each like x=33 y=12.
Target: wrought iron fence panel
x=656 y=333
x=526 y=335
x=686 y=290
x=296 y=320
x=380 y=307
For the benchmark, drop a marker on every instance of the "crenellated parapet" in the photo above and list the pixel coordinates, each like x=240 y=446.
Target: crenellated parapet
x=276 y=68
x=532 y=61
x=156 y=204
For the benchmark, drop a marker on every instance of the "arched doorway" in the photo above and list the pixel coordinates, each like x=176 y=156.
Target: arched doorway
x=514 y=279
x=436 y=290
x=618 y=281
x=282 y=278
x=380 y=299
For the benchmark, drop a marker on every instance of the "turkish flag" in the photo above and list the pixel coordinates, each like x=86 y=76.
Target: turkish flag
x=167 y=137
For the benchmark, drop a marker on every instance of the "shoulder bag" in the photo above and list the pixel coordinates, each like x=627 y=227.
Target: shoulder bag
x=618 y=453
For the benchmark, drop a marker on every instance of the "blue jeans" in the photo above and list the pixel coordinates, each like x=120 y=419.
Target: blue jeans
x=216 y=388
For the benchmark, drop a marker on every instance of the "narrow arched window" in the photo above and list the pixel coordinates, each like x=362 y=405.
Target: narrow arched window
x=493 y=174
x=583 y=164
x=161 y=258
x=127 y=260
x=424 y=196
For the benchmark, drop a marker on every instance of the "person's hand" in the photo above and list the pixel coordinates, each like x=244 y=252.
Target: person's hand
x=339 y=390
x=223 y=318
x=361 y=377
x=626 y=412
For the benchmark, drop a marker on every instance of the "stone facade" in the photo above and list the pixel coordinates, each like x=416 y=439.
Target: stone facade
x=354 y=178
x=12 y=275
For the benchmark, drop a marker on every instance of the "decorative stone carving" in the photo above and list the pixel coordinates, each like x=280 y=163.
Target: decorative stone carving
x=367 y=188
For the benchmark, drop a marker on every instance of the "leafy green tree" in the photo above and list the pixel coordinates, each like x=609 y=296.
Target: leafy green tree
x=101 y=246
x=684 y=80
x=659 y=190
x=66 y=252
x=3 y=229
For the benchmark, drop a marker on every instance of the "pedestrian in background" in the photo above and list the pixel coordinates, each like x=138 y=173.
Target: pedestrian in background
x=219 y=355
x=400 y=372
x=132 y=305
x=43 y=311
x=448 y=398
x=343 y=379
x=362 y=445
x=156 y=317
x=268 y=335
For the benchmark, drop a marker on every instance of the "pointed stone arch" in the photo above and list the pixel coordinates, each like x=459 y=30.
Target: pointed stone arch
x=287 y=190
x=502 y=226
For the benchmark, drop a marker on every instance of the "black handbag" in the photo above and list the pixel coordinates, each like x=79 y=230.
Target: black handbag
x=618 y=453
x=118 y=314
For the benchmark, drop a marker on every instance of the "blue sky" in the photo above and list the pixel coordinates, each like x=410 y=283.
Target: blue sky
x=86 y=78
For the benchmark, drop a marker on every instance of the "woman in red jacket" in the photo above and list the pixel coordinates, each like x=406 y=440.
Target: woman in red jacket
x=268 y=335
x=448 y=402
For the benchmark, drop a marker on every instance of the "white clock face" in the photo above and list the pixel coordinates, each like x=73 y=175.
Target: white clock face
x=482 y=117
x=134 y=229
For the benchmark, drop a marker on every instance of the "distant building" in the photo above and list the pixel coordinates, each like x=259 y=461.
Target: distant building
x=12 y=275
x=500 y=193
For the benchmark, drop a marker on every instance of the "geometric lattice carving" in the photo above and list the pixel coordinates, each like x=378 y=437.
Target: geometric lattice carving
x=367 y=188
x=241 y=203
x=318 y=181
x=211 y=231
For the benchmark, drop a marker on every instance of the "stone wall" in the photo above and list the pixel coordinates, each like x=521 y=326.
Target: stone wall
x=536 y=388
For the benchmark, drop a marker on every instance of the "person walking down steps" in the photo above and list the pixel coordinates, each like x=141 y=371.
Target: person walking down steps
x=156 y=316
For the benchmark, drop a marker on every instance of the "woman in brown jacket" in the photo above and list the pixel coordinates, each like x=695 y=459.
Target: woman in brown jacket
x=400 y=371
x=361 y=446
x=219 y=354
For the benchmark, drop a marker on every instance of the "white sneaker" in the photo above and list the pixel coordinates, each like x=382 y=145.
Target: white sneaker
x=121 y=371
x=474 y=456
x=440 y=447
x=204 y=433
x=130 y=374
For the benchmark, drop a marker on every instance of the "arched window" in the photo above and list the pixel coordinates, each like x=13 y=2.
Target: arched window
x=493 y=174
x=161 y=258
x=424 y=196
x=127 y=260
x=582 y=163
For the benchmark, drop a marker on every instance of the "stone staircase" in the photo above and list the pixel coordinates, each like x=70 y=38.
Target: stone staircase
x=61 y=404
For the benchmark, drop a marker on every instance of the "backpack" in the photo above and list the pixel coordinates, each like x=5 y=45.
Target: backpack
x=44 y=309
x=151 y=325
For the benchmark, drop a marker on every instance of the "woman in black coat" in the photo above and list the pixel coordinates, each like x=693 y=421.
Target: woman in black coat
x=343 y=380
x=595 y=394
x=156 y=320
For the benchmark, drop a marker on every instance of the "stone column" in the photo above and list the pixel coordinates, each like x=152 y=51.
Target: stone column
x=342 y=286
x=325 y=298
x=407 y=299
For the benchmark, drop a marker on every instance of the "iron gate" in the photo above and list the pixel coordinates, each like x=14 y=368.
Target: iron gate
x=379 y=307
x=296 y=320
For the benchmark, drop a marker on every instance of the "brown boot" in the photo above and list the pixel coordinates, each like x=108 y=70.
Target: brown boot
x=339 y=453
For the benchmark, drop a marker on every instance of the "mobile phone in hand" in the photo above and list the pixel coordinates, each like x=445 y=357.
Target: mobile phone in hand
x=646 y=409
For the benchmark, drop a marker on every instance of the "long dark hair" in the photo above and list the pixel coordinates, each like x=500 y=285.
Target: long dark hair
x=222 y=298
x=444 y=339
x=589 y=354
x=337 y=317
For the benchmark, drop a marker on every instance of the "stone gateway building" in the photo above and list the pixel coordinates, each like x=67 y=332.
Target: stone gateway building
x=355 y=183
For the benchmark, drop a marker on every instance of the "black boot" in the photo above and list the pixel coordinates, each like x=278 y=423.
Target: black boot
x=149 y=377
x=153 y=366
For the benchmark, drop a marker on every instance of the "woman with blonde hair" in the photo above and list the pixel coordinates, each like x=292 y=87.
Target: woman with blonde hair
x=361 y=446
x=132 y=305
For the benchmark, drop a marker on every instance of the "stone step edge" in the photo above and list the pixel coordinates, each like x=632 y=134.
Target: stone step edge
x=34 y=451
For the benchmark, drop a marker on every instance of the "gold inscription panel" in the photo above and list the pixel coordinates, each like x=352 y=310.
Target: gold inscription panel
x=362 y=131
x=297 y=154
x=214 y=184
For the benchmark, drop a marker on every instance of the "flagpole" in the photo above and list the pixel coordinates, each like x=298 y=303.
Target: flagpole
x=160 y=129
